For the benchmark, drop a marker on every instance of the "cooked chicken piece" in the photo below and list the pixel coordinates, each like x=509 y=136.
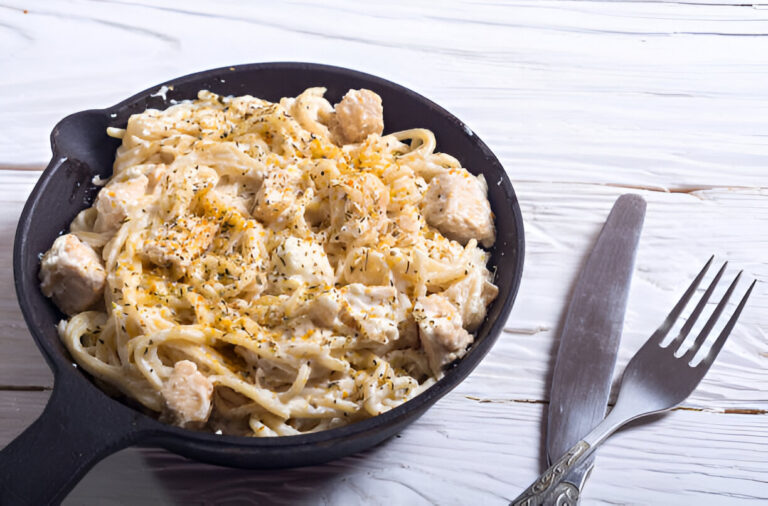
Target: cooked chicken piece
x=72 y=274
x=441 y=332
x=188 y=393
x=322 y=173
x=302 y=262
x=358 y=209
x=358 y=115
x=375 y=310
x=456 y=204
x=115 y=200
x=405 y=226
x=276 y=194
x=472 y=296
x=236 y=194
x=324 y=309
x=405 y=191
x=177 y=243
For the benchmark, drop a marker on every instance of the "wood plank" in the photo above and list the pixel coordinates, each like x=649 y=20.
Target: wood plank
x=582 y=101
x=671 y=460
x=21 y=363
x=680 y=232
x=562 y=220
x=648 y=94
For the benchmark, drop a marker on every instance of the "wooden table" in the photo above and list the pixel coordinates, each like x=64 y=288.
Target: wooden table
x=581 y=101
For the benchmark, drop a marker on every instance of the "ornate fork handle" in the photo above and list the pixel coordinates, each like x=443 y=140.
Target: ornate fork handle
x=655 y=380
x=549 y=483
x=565 y=494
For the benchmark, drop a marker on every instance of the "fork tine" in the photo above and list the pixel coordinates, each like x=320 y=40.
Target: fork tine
x=720 y=341
x=661 y=332
x=699 y=308
x=702 y=337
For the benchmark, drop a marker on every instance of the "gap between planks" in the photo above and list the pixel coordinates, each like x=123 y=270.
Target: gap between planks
x=723 y=411
x=668 y=456
x=691 y=190
x=719 y=411
x=29 y=167
x=716 y=409
x=24 y=388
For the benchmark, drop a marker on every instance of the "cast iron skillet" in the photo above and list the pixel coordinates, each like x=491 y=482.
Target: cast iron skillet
x=81 y=424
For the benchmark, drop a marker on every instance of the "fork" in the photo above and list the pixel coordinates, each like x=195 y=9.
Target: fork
x=659 y=377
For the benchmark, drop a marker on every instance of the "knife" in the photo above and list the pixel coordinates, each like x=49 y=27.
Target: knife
x=589 y=340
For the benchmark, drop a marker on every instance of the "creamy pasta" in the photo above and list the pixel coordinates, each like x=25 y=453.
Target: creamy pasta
x=270 y=269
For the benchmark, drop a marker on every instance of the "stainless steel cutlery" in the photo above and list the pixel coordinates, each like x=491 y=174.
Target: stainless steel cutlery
x=589 y=340
x=658 y=377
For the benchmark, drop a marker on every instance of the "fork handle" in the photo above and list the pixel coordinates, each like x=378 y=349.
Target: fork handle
x=545 y=486
x=565 y=494
x=547 y=483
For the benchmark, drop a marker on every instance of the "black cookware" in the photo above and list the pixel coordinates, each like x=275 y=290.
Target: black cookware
x=81 y=424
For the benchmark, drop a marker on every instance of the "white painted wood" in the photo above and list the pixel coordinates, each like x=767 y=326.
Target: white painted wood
x=582 y=101
x=561 y=222
x=20 y=361
x=460 y=452
x=649 y=94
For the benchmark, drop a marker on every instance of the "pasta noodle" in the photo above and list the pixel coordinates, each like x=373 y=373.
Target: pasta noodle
x=272 y=269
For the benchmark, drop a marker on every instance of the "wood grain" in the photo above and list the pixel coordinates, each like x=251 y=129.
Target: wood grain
x=582 y=101
x=455 y=454
x=21 y=364
x=562 y=221
x=650 y=94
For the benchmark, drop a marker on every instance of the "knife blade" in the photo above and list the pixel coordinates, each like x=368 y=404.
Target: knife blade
x=590 y=337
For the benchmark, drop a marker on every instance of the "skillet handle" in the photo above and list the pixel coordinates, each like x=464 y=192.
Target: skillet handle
x=76 y=430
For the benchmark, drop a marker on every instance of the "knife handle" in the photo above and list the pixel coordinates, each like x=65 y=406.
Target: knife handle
x=550 y=481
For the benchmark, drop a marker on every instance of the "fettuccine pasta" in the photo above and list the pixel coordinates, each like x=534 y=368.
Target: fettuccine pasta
x=270 y=269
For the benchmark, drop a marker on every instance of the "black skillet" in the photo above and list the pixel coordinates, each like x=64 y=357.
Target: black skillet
x=81 y=424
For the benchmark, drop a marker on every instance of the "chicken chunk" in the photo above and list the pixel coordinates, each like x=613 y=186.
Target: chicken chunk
x=471 y=296
x=188 y=393
x=276 y=195
x=358 y=115
x=442 y=335
x=72 y=274
x=115 y=200
x=375 y=310
x=405 y=226
x=324 y=309
x=177 y=243
x=456 y=204
x=301 y=261
x=358 y=209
